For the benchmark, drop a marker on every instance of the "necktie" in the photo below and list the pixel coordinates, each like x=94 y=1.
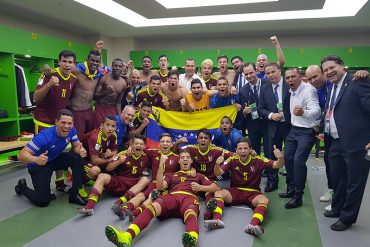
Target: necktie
x=276 y=95
x=333 y=98
x=240 y=82
x=255 y=92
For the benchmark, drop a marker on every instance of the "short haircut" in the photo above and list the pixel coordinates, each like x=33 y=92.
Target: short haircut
x=117 y=60
x=336 y=59
x=64 y=112
x=110 y=117
x=190 y=59
x=164 y=135
x=146 y=103
x=294 y=69
x=185 y=150
x=173 y=72
x=67 y=53
x=204 y=131
x=237 y=57
x=207 y=62
x=222 y=56
x=162 y=56
x=272 y=64
x=127 y=107
x=250 y=64
x=243 y=140
x=227 y=117
x=142 y=59
x=223 y=78
x=154 y=78
x=195 y=81
x=93 y=52
x=140 y=137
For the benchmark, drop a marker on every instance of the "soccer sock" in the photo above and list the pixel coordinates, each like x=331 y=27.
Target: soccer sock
x=142 y=221
x=138 y=210
x=258 y=214
x=209 y=196
x=217 y=214
x=130 y=206
x=191 y=221
x=128 y=195
x=93 y=198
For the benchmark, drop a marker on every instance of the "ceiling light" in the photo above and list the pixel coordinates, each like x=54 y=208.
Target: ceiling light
x=171 y=4
x=331 y=8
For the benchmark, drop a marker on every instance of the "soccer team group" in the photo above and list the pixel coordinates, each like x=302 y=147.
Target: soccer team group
x=108 y=150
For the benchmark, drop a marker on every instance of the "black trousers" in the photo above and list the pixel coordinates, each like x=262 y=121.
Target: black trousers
x=258 y=137
x=298 y=146
x=327 y=141
x=41 y=176
x=349 y=173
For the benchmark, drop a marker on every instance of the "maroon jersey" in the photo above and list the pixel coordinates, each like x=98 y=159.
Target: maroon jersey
x=155 y=99
x=133 y=166
x=211 y=82
x=171 y=165
x=56 y=98
x=163 y=77
x=180 y=182
x=248 y=174
x=96 y=144
x=137 y=122
x=205 y=162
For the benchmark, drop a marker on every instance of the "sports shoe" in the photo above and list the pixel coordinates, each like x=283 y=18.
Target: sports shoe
x=188 y=240
x=213 y=224
x=82 y=192
x=86 y=211
x=328 y=208
x=211 y=206
x=154 y=194
x=130 y=215
x=256 y=230
x=22 y=183
x=61 y=186
x=326 y=197
x=119 y=211
x=118 y=238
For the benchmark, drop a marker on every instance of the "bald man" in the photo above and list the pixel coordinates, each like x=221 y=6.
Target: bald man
x=136 y=83
x=262 y=59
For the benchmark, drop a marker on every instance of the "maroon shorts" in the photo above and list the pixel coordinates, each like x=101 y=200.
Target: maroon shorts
x=242 y=196
x=151 y=186
x=84 y=122
x=119 y=185
x=101 y=111
x=103 y=168
x=175 y=206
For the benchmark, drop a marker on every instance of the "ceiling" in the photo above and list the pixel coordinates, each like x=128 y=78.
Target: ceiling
x=71 y=16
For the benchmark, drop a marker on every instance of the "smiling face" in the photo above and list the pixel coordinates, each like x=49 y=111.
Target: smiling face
x=190 y=67
x=261 y=62
x=293 y=79
x=243 y=150
x=185 y=161
x=222 y=64
x=250 y=74
x=93 y=62
x=127 y=115
x=137 y=146
x=108 y=127
x=64 y=125
x=66 y=64
x=315 y=77
x=333 y=71
x=204 y=141
x=223 y=87
x=273 y=74
x=165 y=144
x=117 y=67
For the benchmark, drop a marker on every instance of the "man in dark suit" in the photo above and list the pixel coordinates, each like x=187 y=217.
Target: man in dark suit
x=274 y=103
x=252 y=120
x=347 y=122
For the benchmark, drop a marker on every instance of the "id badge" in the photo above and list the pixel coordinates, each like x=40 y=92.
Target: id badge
x=327 y=122
x=254 y=112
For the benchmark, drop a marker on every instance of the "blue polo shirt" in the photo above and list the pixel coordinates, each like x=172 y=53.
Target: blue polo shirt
x=227 y=142
x=120 y=130
x=218 y=101
x=48 y=139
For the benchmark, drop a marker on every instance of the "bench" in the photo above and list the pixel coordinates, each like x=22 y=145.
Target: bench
x=6 y=147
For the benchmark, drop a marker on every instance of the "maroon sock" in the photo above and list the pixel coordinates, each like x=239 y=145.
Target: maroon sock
x=138 y=210
x=143 y=220
x=93 y=198
x=129 y=195
x=217 y=214
x=258 y=214
x=191 y=223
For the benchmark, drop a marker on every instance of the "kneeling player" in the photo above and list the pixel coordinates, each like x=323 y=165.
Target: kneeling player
x=244 y=188
x=181 y=201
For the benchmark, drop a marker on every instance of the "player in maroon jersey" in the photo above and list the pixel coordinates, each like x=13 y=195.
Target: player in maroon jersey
x=127 y=178
x=101 y=145
x=141 y=119
x=152 y=94
x=163 y=68
x=180 y=202
x=244 y=188
x=209 y=79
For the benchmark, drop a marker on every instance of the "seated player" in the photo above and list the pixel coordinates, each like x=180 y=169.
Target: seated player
x=226 y=136
x=127 y=178
x=180 y=202
x=101 y=145
x=244 y=188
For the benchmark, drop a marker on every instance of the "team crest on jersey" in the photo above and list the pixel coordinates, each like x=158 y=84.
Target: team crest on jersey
x=171 y=162
x=210 y=158
x=68 y=139
x=157 y=158
x=237 y=168
x=196 y=157
x=108 y=142
x=252 y=168
x=229 y=141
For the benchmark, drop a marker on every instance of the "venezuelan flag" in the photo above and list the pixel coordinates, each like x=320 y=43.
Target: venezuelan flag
x=185 y=124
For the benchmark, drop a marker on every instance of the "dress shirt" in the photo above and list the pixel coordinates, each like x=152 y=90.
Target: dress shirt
x=279 y=91
x=333 y=127
x=186 y=83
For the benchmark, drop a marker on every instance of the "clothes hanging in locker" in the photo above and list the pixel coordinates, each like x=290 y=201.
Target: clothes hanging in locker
x=22 y=87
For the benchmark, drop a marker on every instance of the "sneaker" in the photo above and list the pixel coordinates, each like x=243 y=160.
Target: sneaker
x=188 y=240
x=326 y=197
x=118 y=238
x=21 y=185
x=82 y=192
x=130 y=215
x=119 y=211
x=86 y=211
x=62 y=187
x=213 y=224
x=211 y=206
x=328 y=208
x=256 y=230
x=154 y=194
x=282 y=172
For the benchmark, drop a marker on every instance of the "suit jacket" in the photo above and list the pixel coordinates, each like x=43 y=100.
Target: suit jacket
x=252 y=125
x=267 y=105
x=352 y=113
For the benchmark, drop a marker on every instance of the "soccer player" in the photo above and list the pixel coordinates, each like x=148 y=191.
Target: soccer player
x=223 y=70
x=197 y=99
x=101 y=145
x=173 y=91
x=163 y=68
x=109 y=92
x=51 y=95
x=127 y=178
x=224 y=97
x=262 y=59
x=206 y=70
x=226 y=136
x=146 y=73
x=244 y=188
x=141 y=119
x=152 y=94
x=44 y=154
x=181 y=201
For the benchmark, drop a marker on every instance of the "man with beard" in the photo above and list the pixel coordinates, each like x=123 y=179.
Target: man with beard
x=146 y=73
x=239 y=79
x=135 y=85
x=223 y=97
x=173 y=91
x=226 y=136
x=152 y=94
x=109 y=92
x=206 y=70
x=223 y=70
x=197 y=99
x=190 y=74
x=262 y=59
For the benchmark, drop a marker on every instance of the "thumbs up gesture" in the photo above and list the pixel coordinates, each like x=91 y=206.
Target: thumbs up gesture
x=42 y=159
x=277 y=152
x=221 y=158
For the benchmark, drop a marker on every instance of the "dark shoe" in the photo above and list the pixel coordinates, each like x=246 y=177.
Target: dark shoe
x=331 y=214
x=288 y=194
x=295 y=202
x=22 y=184
x=270 y=188
x=77 y=199
x=340 y=226
x=53 y=197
